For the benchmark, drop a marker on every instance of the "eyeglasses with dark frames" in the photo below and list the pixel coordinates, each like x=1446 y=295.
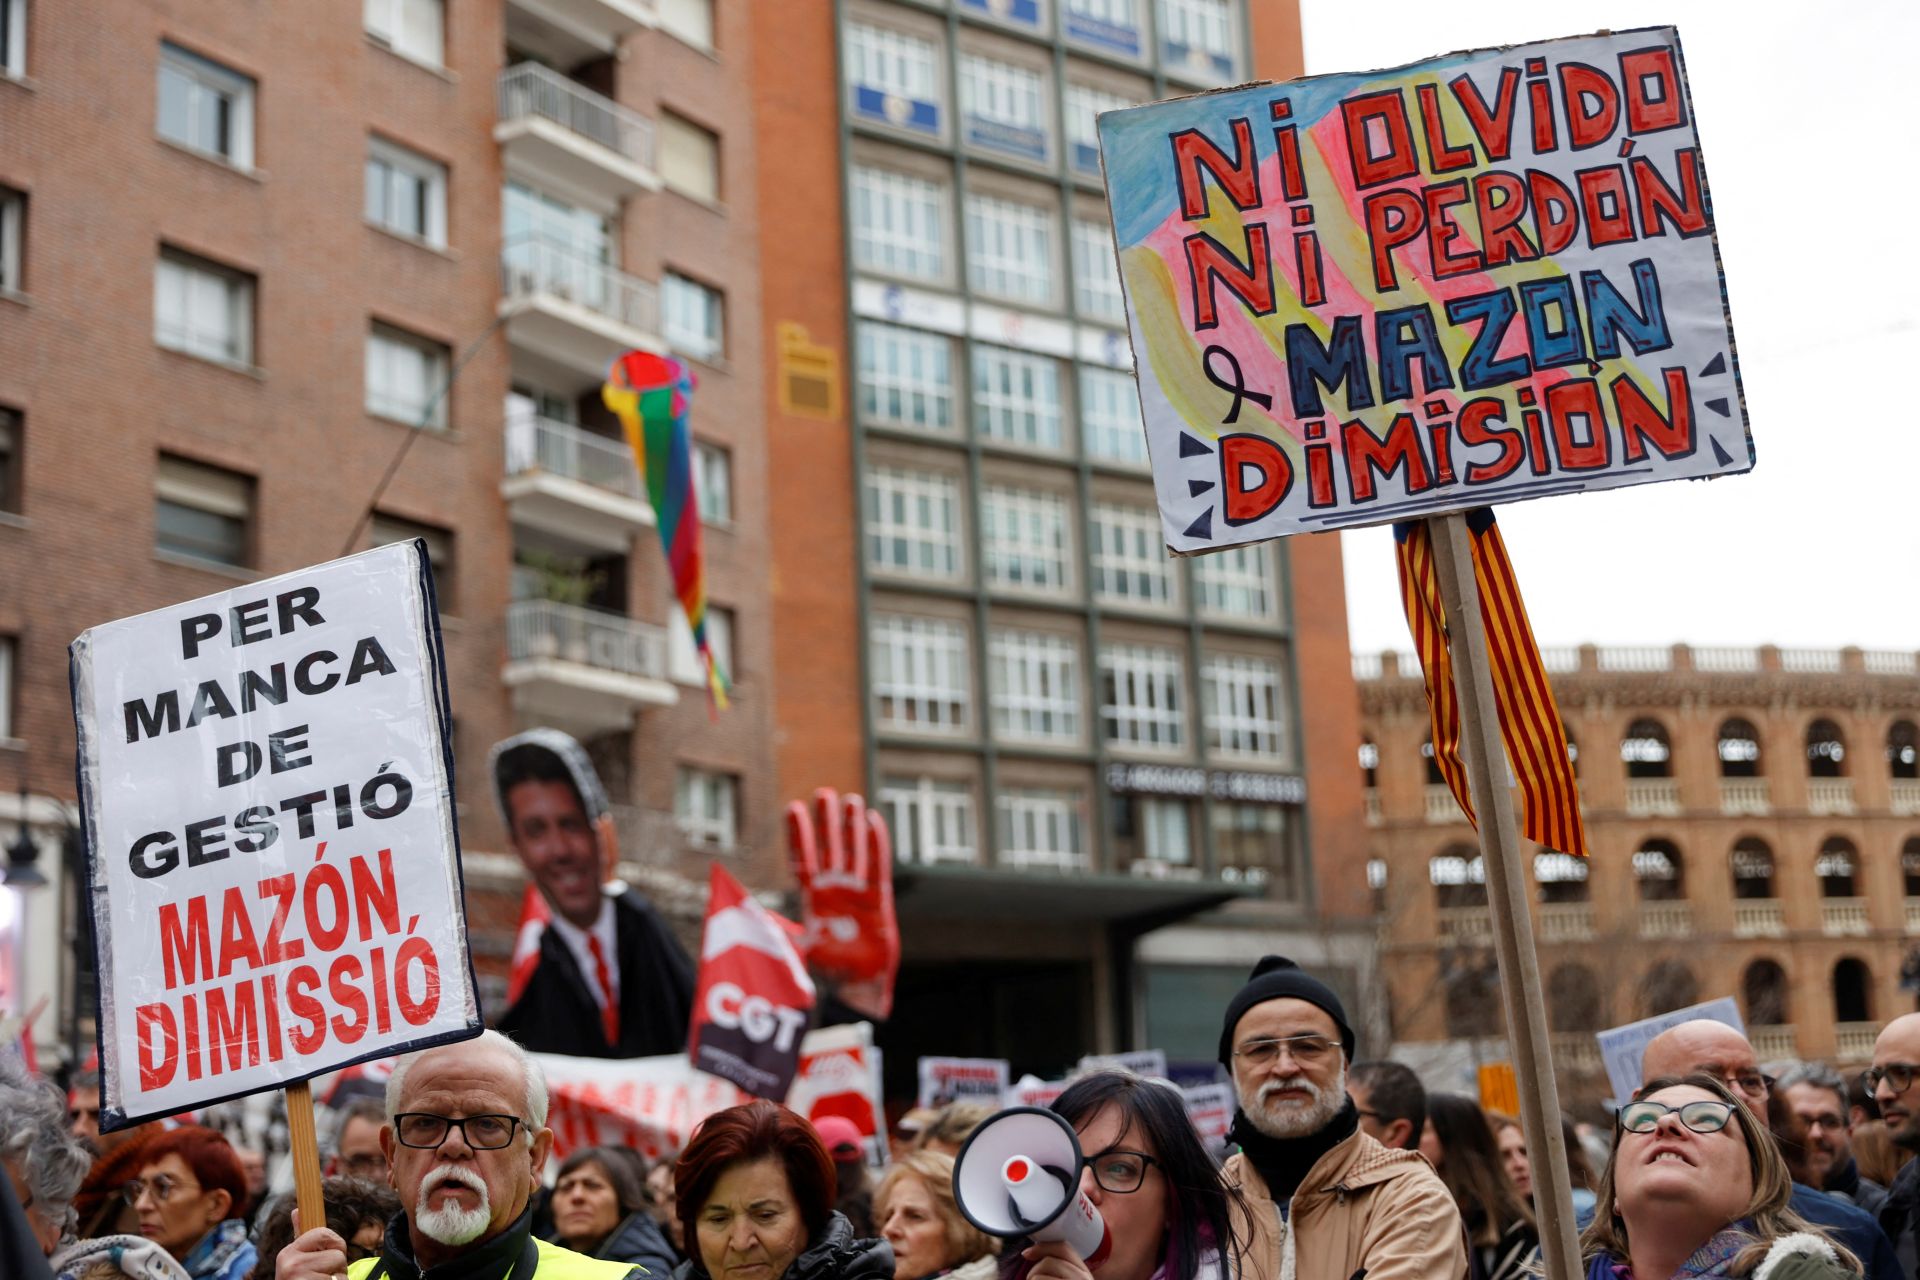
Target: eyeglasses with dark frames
x=1702 y=1116
x=1898 y=1074
x=426 y=1131
x=1119 y=1170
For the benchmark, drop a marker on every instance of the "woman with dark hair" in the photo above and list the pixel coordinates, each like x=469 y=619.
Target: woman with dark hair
x=754 y=1194
x=189 y=1195
x=599 y=1208
x=1696 y=1187
x=1166 y=1208
x=1501 y=1236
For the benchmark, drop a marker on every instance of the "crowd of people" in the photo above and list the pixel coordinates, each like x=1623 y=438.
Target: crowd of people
x=1336 y=1167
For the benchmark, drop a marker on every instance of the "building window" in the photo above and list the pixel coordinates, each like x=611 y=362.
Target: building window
x=1197 y=38
x=202 y=308
x=13 y=431
x=1253 y=843
x=406 y=192
x=1004 y=107
x=13 y=227
x=693 y=319
x=1738 y=746
x=414 y=28
x=921 y=675
x=1562 y=878
x=688 y=21
x=205 y=106
x=1110 y=417
x=1903 y=746
x=689 y=158
x=1245 y=709
x=1237 y=584
x=1660 y=871
x=1036 y=687
x=1096 y=277
x=899 y=224
x=893 y=78
x=1041 y=827
x=1142 y=696
x=1016 y=398
x=913 y=522
x=1752 y=868
x=203 y=513
x=1010 y=249
x=1837 y=866
x=383 y=529
x=1112 y=26
x=404 y=376
x=1024 y=541
x=931 y=821
x=906 y=377
x=1130 y=564
x=1151 y=836
x=684 y=664
x=1645 y=750
x=704 y=805
x=1826 y=750
x=13 y=45
x=713 y=483
x=1083 y=106
x=584 y=236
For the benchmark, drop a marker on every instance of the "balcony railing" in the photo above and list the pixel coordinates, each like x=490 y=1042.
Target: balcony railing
x=531 y=90
x=1759 y=918
x=1853 y=1041
x=1904 y=798
x=1666 y=919
x=533 y=265
x=1576 y=1051
x=1653 y=797
x=591 y=637
x=1466 y=924
x=1913 y=915
x=1827 y=797
x=1566 y=921
x=542 y=444
x=1844 y=917
x=1744 y=797
x=1375 y=814
x=1772 y=1042
x=1441 y=806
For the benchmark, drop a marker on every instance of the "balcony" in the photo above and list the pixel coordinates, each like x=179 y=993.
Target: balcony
x=1913 y=915
x=1576 y=1051
x=1653 y=797
x=1759 y=918
x=1375 y=814
x=572 y=484
x=1063 y=861
x=584 y=669
x=1744 y=797
x=1829 y=797
x=1773 y=1042
x=1466 y=924
x=569 y=315
x=568 y=32
x=566 y=137
x=1666 y=919
x=1566 y=922
x=1442 y=808
x=1903 y=801
x=1853 y=1041
x=1844 y=917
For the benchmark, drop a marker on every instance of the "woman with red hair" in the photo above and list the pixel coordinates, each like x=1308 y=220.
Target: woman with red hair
x=189 y=1195
x=754 y=1194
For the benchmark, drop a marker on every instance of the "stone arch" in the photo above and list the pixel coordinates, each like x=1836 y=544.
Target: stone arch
x=1752 y=866
x=1647 y=749
x=1903 y=750
x=1574 y=1002
x=1669 y=985
x=1826 y=750
x=1659 y=870
x=1852 y=990
x=1838 y=868
x=1765 y=994
x=1561 y=877
x=1458 y=876
x=1739 y=748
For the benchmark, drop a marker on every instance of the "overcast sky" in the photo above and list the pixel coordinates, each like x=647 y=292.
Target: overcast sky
x=1805 y=120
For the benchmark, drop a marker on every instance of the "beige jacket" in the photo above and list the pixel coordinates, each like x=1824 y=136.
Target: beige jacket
x=1363 y=1210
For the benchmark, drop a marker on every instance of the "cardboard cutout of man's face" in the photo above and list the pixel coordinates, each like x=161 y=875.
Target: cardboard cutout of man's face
x=557 y=820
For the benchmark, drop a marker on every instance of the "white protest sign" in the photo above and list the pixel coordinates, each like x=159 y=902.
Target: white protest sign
x=1032 y=1091
x=273 y=869
x=1621 y=1047
x=944 y=1080
x=1210 y=1107
x=1143 y=1062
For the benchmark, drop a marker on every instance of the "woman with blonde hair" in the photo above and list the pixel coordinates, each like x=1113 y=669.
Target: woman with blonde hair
x=1696 y=1188
x=915 y=1211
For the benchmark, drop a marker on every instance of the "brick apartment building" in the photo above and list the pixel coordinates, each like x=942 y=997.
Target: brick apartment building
x=1754 y=822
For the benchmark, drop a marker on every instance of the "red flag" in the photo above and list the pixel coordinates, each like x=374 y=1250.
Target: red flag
x=751 y=1004
x=534 y=914
x=1530 y=725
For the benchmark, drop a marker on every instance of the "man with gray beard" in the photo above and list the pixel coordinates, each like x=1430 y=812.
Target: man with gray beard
x=466 y=1138
x=1327 y=1201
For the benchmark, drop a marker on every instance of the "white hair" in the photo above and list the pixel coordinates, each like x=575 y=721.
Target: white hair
x=533 y=1079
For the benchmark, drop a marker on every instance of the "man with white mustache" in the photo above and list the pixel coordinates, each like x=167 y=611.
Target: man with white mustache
x=1326 y=1200
x=466 y=1138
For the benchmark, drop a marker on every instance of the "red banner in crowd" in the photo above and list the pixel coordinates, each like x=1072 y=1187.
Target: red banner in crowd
x=751 y=1004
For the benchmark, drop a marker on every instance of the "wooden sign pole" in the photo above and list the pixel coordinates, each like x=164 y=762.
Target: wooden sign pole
x=308 y=1197
x=1484 y=754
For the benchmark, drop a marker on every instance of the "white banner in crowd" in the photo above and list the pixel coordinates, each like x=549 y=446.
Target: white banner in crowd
x=1621 y=1048
x=944 y=1080
x=273 y=868
x=1142 y=1062
x=1210 y=1107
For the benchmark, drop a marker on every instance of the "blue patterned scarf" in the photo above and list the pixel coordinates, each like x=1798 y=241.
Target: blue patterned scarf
x=1712 y=1259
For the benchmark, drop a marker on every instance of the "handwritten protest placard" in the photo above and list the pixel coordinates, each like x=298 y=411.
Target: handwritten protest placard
x=1369 y=297
x=1621 y=1048
x=944 y=1080
x=273 y=869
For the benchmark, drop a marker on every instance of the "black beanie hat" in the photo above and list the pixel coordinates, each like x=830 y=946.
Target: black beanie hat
x=1275 y=978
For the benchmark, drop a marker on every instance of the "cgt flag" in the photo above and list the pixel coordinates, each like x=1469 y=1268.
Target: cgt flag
x=751 y=1006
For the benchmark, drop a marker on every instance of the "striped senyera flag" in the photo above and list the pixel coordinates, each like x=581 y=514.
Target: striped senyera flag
x=1530 y=724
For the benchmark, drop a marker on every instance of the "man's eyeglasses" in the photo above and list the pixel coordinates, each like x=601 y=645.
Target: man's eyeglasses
x=1752 y=1083
x=1305 y=1050
x=368 y=1164
x=425 y=1130
x=161 y=1188
x=1701 y=1117
x=1120 y=1171
x=1898 y=1074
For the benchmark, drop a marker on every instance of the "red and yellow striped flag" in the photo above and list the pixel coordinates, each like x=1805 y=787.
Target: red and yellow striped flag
x=1530 y=725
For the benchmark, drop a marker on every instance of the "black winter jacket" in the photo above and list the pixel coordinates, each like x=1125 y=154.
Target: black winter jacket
x=834 y=1255
x=639 y=1240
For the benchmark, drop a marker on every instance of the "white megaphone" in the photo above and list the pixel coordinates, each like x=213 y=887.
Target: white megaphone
x=1019 y=1175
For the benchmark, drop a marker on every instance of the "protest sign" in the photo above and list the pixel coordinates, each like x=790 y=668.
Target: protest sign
x=1210 y=1107
x=1144 y=1062
x=1032 y=1091
x=1366 y=297
x=1621 y=1048
x=840 y=1076
x=753 y=999
x=944 y=1080
x=273 y=868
